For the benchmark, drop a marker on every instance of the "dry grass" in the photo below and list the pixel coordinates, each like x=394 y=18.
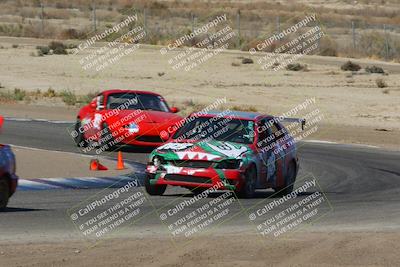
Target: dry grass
x=68 y=97
x=381 y=83
x=168 y=20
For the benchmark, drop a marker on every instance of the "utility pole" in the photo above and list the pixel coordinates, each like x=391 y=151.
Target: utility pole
x=42 y=18
x=145 y=20
x=386 y=42
x=193 y=22
x=278 y=24
x=94 y=16
x=238 y=28
x=353 y=30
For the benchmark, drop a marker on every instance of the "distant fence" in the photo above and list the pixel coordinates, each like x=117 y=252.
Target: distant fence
x=347 y=38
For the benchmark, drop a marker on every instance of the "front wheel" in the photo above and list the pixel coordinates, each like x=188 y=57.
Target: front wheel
x=79 y=136
x=154 y=190
x=248 y=188
x=107 y=139
x=4 y=193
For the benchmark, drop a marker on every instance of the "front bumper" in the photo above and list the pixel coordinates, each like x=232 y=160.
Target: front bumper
x=127 y=138
x=195 y=177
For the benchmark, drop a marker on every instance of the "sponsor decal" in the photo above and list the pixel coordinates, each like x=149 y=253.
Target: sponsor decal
x=187 y=155
x=229 y=150
x=173 y=169
x=175 y=146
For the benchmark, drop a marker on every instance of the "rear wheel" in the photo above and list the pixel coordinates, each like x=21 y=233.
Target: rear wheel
x=4 y=193
x=154 y=190
x=249 y=187
x=289 y=180
x=79 y=136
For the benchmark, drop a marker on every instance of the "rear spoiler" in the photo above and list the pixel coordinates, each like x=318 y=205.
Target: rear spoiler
x=302 y=121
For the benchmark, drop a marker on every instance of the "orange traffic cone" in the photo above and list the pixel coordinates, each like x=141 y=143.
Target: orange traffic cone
x=96 y=166
x=120 y=163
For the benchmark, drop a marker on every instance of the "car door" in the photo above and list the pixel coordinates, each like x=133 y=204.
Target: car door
x=266 y=145
x=279 y=153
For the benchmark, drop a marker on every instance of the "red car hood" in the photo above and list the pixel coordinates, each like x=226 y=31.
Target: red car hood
x=147 y=116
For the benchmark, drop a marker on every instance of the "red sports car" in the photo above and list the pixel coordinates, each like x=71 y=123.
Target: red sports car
x=131 y=117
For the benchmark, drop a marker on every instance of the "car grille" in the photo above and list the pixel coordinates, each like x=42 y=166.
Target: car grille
x=150 y=138
x=201 y=164
x=189 y=179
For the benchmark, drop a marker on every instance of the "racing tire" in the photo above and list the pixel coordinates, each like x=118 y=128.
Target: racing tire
x=289 y=181
x=79 y=139
x=249 y=187
x=107 y=139
x=4 y=193
x=154 y=190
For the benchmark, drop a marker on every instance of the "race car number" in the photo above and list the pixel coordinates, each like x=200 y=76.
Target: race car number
x=229 y=150
x=175 y=146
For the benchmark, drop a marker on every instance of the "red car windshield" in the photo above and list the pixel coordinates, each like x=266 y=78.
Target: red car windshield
x=137 y=101
x=220 y=129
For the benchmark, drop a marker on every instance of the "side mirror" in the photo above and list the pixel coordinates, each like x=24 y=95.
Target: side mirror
x=174 y=109
x=164 y=136
x=93 y=105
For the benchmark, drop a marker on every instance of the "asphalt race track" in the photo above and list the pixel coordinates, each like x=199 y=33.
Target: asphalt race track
x=362 y=185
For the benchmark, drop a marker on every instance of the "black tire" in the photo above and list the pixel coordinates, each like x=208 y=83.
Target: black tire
x=79 y=138
x=106 y=138
x=249 y=187
x=197 y=190
x=154 y=190
x=289 y=180
x=4 y=193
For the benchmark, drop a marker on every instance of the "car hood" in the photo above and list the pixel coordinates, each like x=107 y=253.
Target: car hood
x=209 y=151
x=147 y=116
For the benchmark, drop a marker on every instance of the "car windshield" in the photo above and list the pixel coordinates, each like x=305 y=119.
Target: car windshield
x=136 y=101
x=214 y=128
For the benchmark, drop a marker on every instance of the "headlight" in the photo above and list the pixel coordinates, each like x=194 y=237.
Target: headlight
x=157 y=161
x=229 y=164
x=132 y=127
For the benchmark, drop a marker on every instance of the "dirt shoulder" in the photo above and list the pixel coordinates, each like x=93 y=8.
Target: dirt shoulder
x=38 y=163
x=300 y=249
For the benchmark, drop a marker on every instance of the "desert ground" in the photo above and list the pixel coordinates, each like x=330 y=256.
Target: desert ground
x=300 y=249
x=355 y=110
